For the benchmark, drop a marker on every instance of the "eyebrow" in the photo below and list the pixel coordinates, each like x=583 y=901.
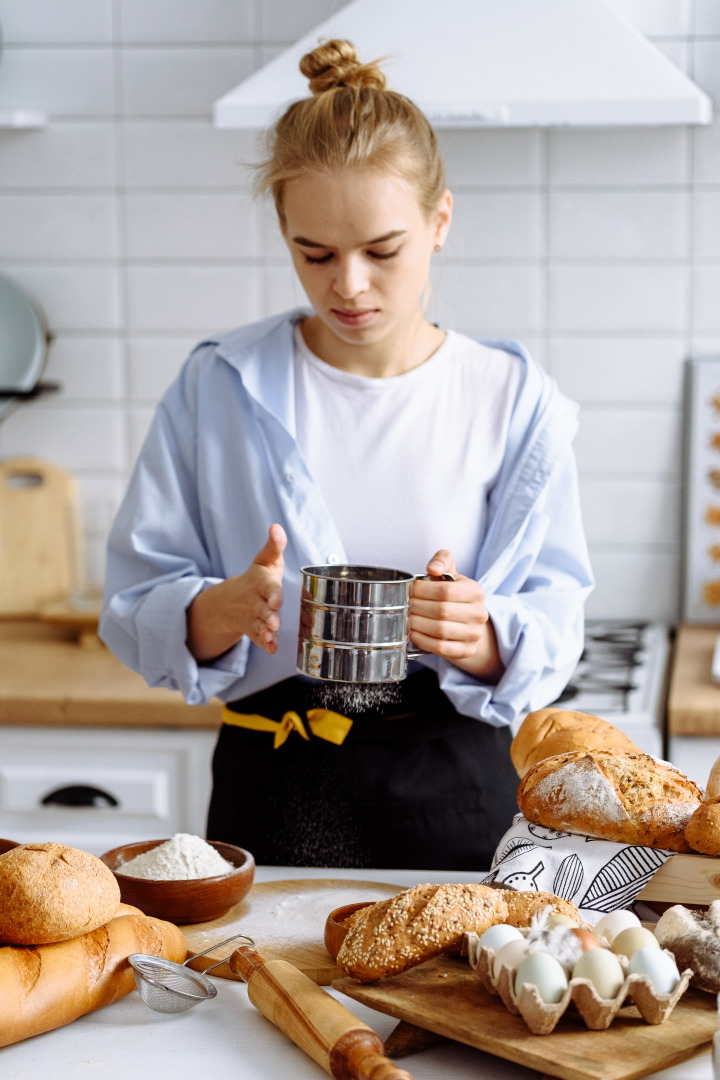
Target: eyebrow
x=304 y=242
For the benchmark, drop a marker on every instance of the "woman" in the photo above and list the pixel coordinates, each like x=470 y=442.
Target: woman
x=356 y=432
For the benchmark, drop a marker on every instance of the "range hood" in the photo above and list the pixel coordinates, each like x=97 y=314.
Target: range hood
x=491 y=63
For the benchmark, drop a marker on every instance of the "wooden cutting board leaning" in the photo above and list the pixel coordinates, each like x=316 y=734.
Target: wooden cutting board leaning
x=39 y=542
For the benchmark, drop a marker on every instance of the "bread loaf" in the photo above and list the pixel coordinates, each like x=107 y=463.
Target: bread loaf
x=52 y=892
x=549 y=732
x=417 y=924
x=712 y=790
x=45 y=987
x=702 y=831
x=629 y=798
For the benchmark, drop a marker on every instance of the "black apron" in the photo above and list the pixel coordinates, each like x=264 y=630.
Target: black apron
x=414 y=784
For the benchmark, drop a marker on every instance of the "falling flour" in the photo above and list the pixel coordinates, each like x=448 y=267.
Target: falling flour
x=357 y=697
x=183 y=857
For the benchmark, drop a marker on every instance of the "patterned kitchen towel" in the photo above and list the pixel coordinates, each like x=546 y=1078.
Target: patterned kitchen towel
x=596 y=875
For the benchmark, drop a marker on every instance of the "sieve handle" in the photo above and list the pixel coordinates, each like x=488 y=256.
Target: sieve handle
x=341 y=1044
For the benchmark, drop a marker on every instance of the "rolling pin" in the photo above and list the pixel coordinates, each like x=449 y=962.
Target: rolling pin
x=328 y=1032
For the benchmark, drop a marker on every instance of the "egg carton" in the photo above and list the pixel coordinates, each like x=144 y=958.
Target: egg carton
x=598 y=1013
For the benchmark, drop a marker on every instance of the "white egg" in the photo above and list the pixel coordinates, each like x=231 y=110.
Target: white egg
x=497 y=936
x=510 y=956
x=545 y=973
x=611 y=924
x=659 y=966
x=603 y=969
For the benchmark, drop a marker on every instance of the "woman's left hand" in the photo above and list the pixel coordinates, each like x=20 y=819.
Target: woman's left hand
x=449 y=618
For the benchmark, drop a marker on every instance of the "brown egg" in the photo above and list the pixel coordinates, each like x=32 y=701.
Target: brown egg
x=587 y=938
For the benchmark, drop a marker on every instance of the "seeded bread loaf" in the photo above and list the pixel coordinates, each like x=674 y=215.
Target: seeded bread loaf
x=523 y=904
x=629 y=798
x=417 y=924
x=52 y=892
x=548 y=732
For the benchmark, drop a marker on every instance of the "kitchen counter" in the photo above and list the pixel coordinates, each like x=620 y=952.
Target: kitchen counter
x=228 y=1037
x=51 y=676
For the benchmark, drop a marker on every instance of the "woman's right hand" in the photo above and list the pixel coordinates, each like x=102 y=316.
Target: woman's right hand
x=243 y=605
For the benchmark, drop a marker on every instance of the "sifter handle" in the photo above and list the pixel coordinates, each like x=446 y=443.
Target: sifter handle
x=328 y=1032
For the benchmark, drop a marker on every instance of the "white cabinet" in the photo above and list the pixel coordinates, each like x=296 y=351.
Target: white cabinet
x=96 y=788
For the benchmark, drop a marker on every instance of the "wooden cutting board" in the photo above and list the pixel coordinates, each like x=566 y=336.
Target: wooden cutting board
x=39 y=543
x=286 y=920
x=446 y=997
x=693 y=698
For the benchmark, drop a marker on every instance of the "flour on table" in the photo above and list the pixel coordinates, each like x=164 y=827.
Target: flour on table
x=179 y=859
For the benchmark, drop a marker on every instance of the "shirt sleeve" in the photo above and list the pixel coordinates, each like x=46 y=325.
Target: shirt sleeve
x=537 y=610
x=158 y=561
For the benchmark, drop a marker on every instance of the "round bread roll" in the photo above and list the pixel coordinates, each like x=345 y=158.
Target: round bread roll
x=51 y=892
x=712 y=791
x=522 y=905
x=702 y=831
x=549 y=732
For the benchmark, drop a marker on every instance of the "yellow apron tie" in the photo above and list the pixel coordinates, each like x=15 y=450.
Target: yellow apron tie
x=323 y=723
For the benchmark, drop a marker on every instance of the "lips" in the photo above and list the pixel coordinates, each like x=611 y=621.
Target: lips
x=348 y=317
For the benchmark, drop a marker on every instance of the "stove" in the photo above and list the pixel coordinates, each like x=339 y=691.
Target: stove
x=622 y=678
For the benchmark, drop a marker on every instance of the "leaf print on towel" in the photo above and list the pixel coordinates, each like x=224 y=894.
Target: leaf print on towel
x=622 y=878
x=568 y=878
x=543 y=833
x=514 y=847
x=525 y=882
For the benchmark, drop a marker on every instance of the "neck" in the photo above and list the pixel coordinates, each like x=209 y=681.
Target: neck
x=381 y=360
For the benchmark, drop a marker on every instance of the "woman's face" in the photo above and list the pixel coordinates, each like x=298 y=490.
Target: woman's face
x=361 y=245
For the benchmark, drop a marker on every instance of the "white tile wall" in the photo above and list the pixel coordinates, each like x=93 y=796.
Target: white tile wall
x=130 y=219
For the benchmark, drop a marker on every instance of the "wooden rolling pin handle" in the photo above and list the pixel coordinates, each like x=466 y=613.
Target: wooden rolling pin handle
x=358 y=1056
x=321 y=1026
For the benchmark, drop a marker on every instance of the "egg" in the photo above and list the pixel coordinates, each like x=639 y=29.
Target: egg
x=659 y=966
x=555 y=918
x=611 y=924
x=497 y=936
x=628 y=941
x=586 y=938
x=603 y=969
x=510 y=956
x=545 y=973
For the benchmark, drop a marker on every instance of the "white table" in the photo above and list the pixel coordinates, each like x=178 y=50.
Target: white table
x=228 y=1038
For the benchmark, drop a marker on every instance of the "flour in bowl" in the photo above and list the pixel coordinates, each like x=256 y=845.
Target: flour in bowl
x=183 y=857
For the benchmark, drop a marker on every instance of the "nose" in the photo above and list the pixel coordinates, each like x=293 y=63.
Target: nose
x=350 y=278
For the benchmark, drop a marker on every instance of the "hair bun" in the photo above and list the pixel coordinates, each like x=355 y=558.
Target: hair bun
x=335 y=63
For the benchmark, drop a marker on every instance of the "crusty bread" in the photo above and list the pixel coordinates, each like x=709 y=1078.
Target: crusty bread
x=415 y=925
x=549 y=732
x=693 y=937
x=629 y=798
x=46 y=987
x=712 y=790
x=702 y=831
x=51 y=892
x=523 y=904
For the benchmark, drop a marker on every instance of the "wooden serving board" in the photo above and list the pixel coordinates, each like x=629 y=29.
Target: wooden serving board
x=446 y=997
x=286 y=920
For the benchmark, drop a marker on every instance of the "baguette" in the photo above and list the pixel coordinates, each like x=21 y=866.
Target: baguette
x=417 y=924
x=549 y=732
x=47 y=986
x=628 y=798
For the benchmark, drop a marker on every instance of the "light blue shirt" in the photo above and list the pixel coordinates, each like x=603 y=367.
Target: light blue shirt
x=220 y=464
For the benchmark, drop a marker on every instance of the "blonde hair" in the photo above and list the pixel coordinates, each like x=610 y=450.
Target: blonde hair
x=351 y=121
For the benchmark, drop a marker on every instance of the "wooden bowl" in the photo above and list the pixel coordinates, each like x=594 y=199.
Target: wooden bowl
x=186 y=900
x=335 y=928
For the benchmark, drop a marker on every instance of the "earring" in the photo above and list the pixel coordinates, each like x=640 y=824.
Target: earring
x=438 y=247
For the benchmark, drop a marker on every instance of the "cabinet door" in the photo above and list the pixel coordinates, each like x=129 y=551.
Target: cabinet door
x=98 y=788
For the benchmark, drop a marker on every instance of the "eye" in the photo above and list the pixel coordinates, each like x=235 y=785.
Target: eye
x=317 y=259
x=383 y=254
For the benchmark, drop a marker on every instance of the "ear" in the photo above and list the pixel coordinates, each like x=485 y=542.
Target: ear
x=443 y=217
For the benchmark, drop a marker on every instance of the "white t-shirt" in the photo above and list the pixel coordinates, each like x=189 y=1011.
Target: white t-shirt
x=405 y=463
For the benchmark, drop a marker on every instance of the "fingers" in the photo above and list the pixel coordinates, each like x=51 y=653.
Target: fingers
x=448 y=617
x=441 y=563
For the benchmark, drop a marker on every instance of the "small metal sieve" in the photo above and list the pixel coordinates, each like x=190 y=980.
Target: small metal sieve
x=167 y=987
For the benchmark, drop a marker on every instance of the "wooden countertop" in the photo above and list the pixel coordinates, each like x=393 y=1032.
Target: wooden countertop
x=50 y=676
x=693 y=698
